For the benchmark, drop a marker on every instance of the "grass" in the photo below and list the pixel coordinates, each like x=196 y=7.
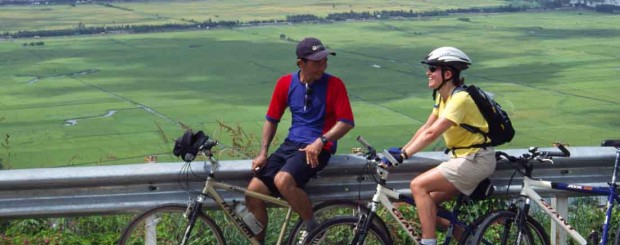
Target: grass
x=553 y=72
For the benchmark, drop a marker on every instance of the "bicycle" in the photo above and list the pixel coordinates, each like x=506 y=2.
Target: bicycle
x=189 y=224
x=360 y=230
x=509 y=223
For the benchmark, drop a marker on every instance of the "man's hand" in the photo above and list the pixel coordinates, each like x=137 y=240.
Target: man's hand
x=259 y=162
x=312 y=152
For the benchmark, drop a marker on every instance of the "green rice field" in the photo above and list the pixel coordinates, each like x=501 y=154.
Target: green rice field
x=51 y=17
x=116 y=98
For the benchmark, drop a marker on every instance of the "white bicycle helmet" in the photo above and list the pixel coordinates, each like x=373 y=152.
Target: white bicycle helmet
x=448 y=56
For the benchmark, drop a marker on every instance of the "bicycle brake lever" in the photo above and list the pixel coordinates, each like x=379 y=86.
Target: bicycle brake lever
x=547 y=160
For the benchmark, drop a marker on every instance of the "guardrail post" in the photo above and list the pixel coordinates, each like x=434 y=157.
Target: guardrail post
x=151 y=221
x=560 y=204
x=150 y=225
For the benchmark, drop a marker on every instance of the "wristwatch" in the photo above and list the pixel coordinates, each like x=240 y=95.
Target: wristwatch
x=324 y=139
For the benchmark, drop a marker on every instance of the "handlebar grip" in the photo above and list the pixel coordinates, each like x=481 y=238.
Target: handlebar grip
x=500 y=154
x=364 y=142
x=563 y=149
x=390 y=158
x=371 y=150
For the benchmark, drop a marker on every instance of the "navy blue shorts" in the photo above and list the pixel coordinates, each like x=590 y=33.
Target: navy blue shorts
x=290 y=159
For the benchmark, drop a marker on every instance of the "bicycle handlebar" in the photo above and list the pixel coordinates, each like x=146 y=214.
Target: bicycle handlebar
x=208 y=145
x=534 y=154
x=371 y=150
x=373 y=159
x=563 y=149
x=546 y=154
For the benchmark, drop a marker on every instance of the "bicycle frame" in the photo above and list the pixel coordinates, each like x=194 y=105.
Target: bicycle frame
x=384 y=195
x=210 y=191
x=529 y=193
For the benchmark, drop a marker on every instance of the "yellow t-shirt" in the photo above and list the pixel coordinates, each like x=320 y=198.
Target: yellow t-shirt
x=460 y=108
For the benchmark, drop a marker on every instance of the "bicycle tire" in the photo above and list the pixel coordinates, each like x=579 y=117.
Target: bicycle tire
x=468 y=234
x=331 y=209
x=470 y=231
x=341 y=230
x=465 y=239
x=494 y=225
x=171 y=227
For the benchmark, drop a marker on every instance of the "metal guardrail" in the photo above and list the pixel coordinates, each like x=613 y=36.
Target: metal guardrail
x=70 y=191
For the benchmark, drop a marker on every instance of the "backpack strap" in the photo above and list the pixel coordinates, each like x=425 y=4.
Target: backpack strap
x=453 y=149
x=469 y=128
x=459 y=88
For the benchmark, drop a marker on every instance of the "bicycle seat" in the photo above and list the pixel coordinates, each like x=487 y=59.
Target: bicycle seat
x=484 y=189
x=614 y=143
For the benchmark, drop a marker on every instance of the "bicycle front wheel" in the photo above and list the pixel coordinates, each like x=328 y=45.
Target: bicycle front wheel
x=331 y=209
x=500 y=228
x=342 y=230
x=166 y=225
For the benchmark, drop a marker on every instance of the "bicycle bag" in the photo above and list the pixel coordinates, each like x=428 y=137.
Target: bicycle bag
x=188 y=145
x=484 y=189
x=500 y=126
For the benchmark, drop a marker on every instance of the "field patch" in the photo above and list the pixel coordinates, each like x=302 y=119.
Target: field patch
x=556 y=83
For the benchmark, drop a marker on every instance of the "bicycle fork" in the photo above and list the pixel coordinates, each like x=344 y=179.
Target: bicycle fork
x=520 y=222
x=364 y=223
x=192 y=215
x=610 y=199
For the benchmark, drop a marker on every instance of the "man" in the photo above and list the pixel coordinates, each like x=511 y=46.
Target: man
x=321 y=114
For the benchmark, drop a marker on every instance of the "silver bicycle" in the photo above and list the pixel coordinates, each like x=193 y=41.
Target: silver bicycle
x=190 y=224
x=360 y=229
x=516 y=226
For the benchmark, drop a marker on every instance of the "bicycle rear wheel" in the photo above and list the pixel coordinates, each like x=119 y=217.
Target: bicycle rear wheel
x=500 y=228
x=331 y=209
x=166 y=225
x=341 y=230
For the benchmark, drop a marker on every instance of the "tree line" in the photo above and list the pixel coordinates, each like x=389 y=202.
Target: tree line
x=82 y=29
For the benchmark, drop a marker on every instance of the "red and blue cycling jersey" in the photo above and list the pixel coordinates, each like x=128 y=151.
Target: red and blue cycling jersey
x=315 y=109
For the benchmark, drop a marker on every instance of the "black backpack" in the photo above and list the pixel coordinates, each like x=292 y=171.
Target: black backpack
x=500 y=126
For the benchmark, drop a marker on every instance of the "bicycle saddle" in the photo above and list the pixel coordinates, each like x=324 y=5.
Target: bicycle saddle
x=614 y=143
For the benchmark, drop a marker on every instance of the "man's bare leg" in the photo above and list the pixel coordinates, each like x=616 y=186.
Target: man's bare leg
x=295 y=196
x=257 y=206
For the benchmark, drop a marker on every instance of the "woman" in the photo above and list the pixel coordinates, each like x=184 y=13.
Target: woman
x=468 y=164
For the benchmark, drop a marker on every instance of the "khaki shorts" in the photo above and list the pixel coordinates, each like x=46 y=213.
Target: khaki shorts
x=466 y=172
